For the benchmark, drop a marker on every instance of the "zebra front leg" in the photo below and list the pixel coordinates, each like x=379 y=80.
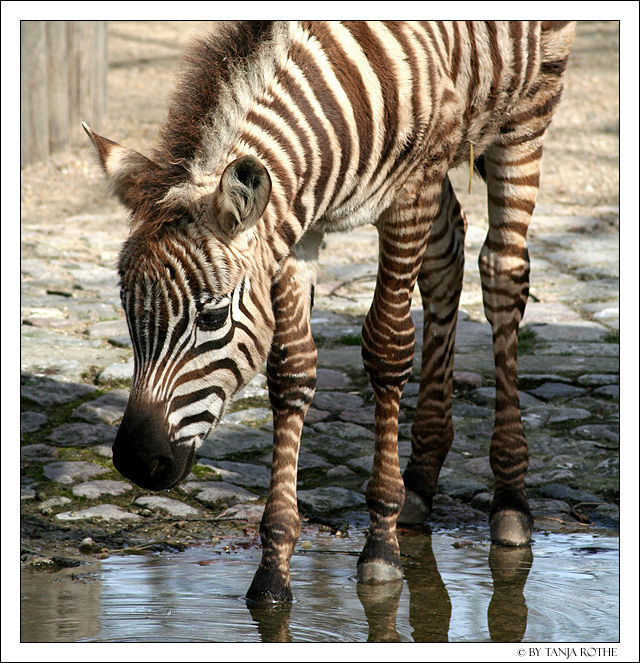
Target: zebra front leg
x=291 y=375
x=387 y=352
x=440 y=283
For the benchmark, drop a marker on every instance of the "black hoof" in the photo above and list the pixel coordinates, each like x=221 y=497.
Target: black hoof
x=269 y=587
x=510 y=528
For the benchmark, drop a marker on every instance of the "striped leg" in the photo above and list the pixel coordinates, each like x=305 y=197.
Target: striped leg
x=291 y=374
x=387 y=352
x=440 y=283
x=513 y=172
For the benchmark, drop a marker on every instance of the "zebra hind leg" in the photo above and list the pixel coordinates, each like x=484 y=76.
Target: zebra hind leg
x=440 y=283
x=291 y=376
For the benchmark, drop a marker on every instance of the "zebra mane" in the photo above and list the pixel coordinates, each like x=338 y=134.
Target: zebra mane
x=223 y=70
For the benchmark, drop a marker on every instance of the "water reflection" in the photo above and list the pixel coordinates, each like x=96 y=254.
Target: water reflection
x=453 y=590
x=507 y=614
x=272 y=621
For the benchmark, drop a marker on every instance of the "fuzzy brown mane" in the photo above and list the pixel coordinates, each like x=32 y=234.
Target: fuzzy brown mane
x=210 y=62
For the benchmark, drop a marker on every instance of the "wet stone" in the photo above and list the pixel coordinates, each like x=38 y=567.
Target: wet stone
x=167 y=505
x=82 y=435
x=482 y=501
x=557 y=391
x=108 y=512
x=241 y=474
x=100 y=487
x=326 y=500
x=32 y=421
x=70 y=471
x=449 y=514
x=107 y=409
x=38 y=453
x=50 y=392
x=606 y=515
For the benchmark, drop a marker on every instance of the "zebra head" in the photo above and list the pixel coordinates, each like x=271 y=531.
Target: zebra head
x=194 y=279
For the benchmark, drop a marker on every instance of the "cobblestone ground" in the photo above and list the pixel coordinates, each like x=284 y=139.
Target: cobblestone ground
x=76 y=358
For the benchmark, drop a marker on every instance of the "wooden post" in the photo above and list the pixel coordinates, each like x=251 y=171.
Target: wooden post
x=63 y=81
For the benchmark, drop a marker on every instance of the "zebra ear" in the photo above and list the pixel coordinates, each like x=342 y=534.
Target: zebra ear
x=242 y=195
x=121 y=165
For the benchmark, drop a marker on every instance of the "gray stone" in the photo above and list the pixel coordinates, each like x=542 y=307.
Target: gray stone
x=241 y=474
x=108 y=512
x=329 y=499
x=546 y=507
x=558 y=415
x=53 y=502
x=482 y=501
x=363 y=415
x=256 y=388
x=249 y=512
x=486 y=396
x=107 y=328
x=50 y=392
x=463 y=489
x=32 y=421
x=121 y=341
x=340 y=472
x=562 y=492
x=104 y=450
x=82 y=435
x=38 y=453
x=557 y=391
x=214 y=493
x=314 y=415
x=581 y=331
x=255 y=415
x=309 y=461
x=536 y=479
x=611 y=391
x=100 y=487
x=27 y=492
x=478 y=466
x=70 y=471
x=336 y=401
x=598 y=379
x=462 y=409
x=116 y=373
x=107 y=409
x=467 y=380
x=363 y=464
x=229 y=440
x=597 y=432
x=328 y=379
x=167 y=505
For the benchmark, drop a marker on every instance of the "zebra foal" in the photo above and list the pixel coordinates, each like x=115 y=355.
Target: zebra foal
x=277 y=134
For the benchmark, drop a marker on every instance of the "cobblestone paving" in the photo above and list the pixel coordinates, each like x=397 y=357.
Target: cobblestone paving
x=76 y=367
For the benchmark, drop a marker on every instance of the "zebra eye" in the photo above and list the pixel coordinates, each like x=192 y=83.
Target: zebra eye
x=212 y=315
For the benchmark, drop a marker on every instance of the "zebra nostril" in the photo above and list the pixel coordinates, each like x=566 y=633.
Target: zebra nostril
x=160 y=467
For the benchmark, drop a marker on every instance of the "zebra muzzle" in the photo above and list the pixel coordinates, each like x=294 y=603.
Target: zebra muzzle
x=143 y=451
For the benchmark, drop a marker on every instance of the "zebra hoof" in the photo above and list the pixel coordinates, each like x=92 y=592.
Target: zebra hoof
x=415 y=510
x=269 y=588
x=376 y=573
x=510 y=528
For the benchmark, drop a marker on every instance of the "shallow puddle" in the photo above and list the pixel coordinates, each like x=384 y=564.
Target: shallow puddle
x=456 y=588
